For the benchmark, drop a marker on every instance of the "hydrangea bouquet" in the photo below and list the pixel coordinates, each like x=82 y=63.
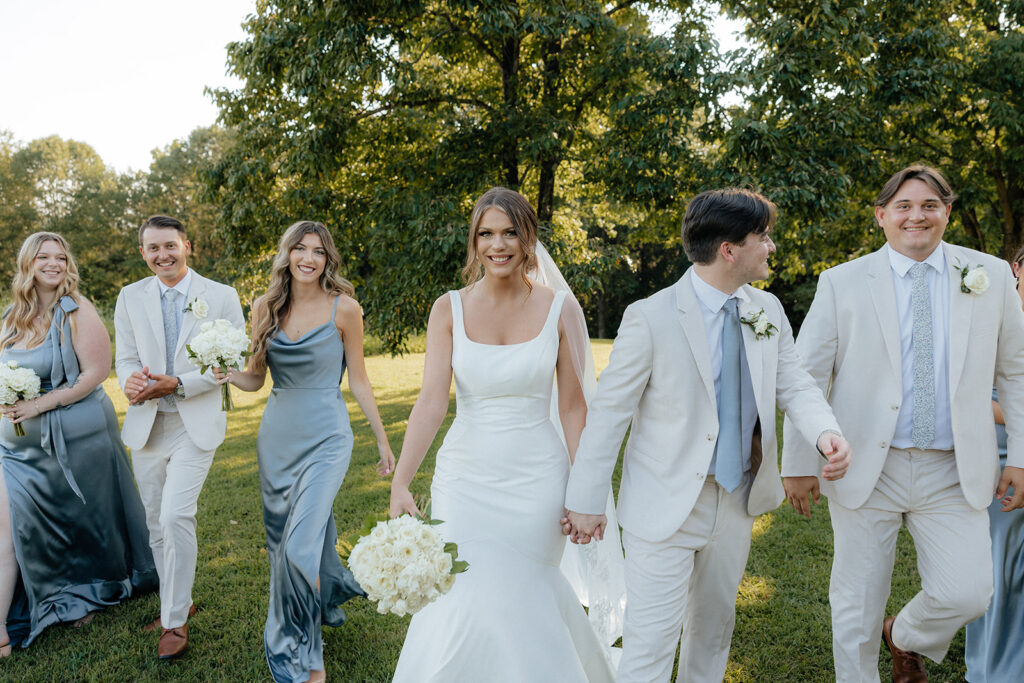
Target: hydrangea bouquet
x=17 y=383
x=221 y=344
x=403 y=564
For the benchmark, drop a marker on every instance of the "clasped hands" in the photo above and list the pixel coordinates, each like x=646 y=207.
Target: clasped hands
x=143 y=385
x=580 y=528
x=801 y=490
x=20 y=411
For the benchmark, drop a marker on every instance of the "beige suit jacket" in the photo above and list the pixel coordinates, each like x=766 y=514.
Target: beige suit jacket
x=850 y=343
x=659 y=381
x=139 y=334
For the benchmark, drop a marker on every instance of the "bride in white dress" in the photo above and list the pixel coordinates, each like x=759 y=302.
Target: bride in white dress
x=499 y=480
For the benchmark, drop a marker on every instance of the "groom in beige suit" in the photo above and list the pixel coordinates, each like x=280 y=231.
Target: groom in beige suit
x=697 y=369
x=906 y=344
x=174 y=421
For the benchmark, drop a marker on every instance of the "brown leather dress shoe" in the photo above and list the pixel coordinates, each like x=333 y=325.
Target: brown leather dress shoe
x=173 y=642
x=907 y=666
x=156 y=623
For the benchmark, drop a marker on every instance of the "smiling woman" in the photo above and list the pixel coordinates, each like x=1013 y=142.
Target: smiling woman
x=72 y=527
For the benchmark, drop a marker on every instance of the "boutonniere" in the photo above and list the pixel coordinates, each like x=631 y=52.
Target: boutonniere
x=760 y=324
x=972 y=280
x=198 y=307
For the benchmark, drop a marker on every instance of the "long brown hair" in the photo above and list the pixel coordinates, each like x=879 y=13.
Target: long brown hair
x=25 y=308
x=524 y=222
x=273 y=305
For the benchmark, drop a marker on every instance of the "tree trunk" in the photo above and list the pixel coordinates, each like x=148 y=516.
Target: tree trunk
x=602 y=314
x=973 y=228
x=510 y=100
x=549 y=155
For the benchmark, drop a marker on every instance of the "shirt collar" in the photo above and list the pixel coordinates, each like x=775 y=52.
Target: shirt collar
x=901 y=264
x=711 y=297
x=181 y=287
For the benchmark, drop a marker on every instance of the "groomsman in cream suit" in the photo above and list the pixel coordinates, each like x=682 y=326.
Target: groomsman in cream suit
x=906 y=343
x=174 y=421
x=697 y=369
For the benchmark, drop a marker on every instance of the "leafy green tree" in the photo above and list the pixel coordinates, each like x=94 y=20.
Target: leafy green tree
x=387 y=119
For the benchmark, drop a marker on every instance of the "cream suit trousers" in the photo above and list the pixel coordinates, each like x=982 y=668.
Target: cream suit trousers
x=919 y=488
x=170 y=471
x=689 y=582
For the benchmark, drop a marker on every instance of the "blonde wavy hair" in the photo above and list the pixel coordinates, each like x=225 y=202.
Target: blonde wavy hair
x=273 y=305
x=524 y=222
x=18 y=323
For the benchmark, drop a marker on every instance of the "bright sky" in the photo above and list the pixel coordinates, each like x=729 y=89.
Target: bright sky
x=124 y=76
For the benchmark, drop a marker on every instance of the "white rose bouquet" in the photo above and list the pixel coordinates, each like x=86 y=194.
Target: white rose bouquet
x=221 y=344
x=17 y=383
x=403 y=564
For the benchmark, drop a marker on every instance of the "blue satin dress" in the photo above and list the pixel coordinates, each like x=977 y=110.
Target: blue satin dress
x=304 y=446
x=79 y=527
x=995 y=641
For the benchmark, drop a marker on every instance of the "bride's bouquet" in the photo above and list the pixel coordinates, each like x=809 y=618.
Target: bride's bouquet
x=221 y=344
x=403 y=564
x=17 y=383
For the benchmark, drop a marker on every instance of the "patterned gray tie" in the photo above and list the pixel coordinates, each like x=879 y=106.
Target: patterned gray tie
x=169 y=304
x=923 y=430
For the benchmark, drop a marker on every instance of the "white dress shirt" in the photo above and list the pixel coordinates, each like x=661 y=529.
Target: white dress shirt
x=711 y=302
x=938 y=289
x=164 y=406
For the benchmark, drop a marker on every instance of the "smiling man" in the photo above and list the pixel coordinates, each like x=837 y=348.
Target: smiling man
x=174 y=422
x=696 y=373
x=905 y=343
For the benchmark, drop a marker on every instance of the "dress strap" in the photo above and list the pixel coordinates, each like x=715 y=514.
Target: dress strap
x=556 y=309
x=458 y=326
x=335 y=311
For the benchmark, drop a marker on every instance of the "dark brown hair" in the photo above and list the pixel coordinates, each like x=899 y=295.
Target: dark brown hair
x=726 y=215
x=161 y=221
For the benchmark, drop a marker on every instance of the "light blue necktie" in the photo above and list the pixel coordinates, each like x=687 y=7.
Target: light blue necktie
x=729 y=452
x=169 y=305
x=923 y=431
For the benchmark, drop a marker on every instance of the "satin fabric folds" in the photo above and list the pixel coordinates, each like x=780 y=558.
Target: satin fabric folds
x=304 y=446
x=79 y=528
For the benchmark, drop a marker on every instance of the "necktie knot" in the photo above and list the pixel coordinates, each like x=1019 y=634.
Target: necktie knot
x=171 y=295
x=918 y=270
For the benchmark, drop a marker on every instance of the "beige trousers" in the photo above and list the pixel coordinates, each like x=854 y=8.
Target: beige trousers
x=954 y=558
x=170 y=471
x=687 y=582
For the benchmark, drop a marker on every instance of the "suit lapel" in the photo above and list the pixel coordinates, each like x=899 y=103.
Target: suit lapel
x=151 y=303
x=188 y=323
x=960 y=308
x=754 y=350
x=692 y=322
x=883 y=296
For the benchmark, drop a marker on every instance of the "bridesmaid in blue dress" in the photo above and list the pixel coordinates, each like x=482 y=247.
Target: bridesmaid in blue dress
x=306 y=329
x=73 y=535
x=994 y=652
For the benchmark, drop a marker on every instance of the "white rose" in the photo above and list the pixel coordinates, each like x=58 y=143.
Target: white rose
x=200 y=308
x=977 y=280
x=761 y=324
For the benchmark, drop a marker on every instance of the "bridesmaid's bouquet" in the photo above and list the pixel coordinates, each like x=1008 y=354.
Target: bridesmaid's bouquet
x=221 y=344
x=17 y=383
x=403 y=564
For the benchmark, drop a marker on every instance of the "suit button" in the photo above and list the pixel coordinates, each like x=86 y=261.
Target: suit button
x=710 y=437
x=895 y=406
x=700 y=475
x=883 y=444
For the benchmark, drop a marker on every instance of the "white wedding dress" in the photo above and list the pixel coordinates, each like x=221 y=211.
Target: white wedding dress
x=499 y=484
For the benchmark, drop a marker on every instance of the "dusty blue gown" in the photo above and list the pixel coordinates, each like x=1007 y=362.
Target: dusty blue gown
x=994 y=652
x=79 y=527
x=304 y=446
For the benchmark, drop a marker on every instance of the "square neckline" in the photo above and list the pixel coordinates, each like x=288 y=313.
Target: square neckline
x=547 y=321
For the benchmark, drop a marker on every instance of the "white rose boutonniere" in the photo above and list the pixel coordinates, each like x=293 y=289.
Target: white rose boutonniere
x=198 y=307
x=972 y=280
x=759 y=323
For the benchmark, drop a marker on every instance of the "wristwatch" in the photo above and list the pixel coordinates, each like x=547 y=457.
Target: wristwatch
x=179 y=390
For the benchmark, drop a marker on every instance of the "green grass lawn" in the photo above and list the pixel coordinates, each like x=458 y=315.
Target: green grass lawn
x=782 y=622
